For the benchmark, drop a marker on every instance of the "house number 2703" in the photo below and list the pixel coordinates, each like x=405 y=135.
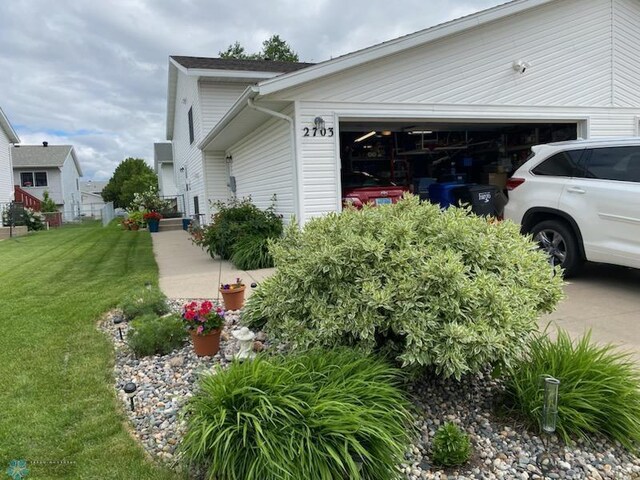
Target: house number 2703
x=317 y=132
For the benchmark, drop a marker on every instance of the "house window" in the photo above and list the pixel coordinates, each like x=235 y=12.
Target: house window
x=191 y=137
x=33 y=179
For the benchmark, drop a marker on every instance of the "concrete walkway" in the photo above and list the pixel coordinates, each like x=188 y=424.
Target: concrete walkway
x=187 y=271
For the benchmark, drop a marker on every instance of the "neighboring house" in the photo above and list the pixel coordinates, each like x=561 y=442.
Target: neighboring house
x=468 y=97
x=8 y=136
x=91 y=201
x=54 y=168
x=163 y=165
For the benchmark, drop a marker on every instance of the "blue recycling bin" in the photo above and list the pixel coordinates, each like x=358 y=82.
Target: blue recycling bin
x=444 y=194
x=185 y=223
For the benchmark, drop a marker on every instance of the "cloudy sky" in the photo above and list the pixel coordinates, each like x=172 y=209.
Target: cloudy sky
x=94 y=73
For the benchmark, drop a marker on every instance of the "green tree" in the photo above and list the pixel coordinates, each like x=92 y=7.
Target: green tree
x=236 y=51
x=274 y=48
x=48 y=205
x=131 y=176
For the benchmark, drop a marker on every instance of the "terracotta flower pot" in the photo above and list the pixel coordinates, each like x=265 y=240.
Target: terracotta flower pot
x=233 y=298
x=206 y=345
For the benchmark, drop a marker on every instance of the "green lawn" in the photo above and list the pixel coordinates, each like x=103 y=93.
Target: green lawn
x=57 y=402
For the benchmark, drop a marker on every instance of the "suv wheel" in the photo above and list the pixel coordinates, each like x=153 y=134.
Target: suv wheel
x=559 y=242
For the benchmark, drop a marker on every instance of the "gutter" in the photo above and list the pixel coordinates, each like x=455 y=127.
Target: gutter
x=297 y=194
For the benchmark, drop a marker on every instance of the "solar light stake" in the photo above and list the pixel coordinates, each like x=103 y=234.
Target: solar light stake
x=550 y=407
x=130 y=390
x=117 y=321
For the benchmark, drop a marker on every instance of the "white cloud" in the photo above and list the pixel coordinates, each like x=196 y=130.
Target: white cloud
x=94 y=74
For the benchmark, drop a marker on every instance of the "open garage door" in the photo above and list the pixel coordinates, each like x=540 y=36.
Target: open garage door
x=444 y=162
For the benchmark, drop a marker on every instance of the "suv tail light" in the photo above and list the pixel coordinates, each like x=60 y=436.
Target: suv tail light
x=514 y=183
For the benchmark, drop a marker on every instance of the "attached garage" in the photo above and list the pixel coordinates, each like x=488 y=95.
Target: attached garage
x=460 y=102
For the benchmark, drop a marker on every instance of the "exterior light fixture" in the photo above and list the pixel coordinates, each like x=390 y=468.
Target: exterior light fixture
x=364 y=137
x=229 y=158
x=130 y=390
x=521 y=66
x=245 y=339
x=421 y=132
x=118 y=321
x=386 y=133
x=254 y=285
x=319 y=123
x=182 y=169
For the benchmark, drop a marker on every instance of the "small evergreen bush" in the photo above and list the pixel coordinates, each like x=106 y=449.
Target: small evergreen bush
x=145 y=301
x=236 y=220
x=324 y=414
x=150 y=334
x=451 y=446
x=48 y=205
x=448 y=290
x=599 y=390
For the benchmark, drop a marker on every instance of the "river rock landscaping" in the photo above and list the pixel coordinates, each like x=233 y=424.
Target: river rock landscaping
x=502 y=447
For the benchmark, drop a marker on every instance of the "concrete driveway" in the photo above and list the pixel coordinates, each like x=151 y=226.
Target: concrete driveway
x=605 y=299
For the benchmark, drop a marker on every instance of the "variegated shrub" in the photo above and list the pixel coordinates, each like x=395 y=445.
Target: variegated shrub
x=445 y=289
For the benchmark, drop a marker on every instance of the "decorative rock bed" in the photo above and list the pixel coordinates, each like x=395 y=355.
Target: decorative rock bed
x=502 y=448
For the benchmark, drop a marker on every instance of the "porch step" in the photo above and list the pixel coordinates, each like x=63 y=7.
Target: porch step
x=167 y=224
x=17 y=232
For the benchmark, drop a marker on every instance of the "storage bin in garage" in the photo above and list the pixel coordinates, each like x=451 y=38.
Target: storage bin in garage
x=482 y=198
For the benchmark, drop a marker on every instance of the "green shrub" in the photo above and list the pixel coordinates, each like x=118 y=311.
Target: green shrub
x=599 y=388
x=150 y=334
x=451 y=446
x=48 y=205
x=33 y=220
x=325 y=414
x=252 y=253
x=447 y=289
x=236 y=220
x=145 y=301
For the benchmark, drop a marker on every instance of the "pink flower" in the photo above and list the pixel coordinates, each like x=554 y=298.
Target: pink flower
x=200 y=330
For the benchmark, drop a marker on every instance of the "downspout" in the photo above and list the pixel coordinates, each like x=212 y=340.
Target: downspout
x=294 y=160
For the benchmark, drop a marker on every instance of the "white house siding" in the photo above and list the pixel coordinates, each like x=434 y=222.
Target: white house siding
x=216 y=177
x=262 y=165
x=567 y=42
x=6 y=177
x=216 y=99
x=70 y=179
x=190 y=181
x=54 y=183
x=626 y=34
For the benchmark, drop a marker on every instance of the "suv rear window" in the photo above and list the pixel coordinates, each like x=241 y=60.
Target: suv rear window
x=563 y=164
x=614 y=163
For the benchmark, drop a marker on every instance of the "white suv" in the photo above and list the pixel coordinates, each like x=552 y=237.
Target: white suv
x=581 y=201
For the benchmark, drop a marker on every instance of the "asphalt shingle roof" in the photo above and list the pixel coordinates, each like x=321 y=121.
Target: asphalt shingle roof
x=39 y=156
x=246 y=65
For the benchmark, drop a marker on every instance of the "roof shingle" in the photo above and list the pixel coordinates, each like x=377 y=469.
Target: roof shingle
x=40 y=156
x=240 y=65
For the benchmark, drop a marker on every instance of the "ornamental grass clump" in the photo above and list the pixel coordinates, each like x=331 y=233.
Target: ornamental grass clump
x=599 y=390
x=324 y=414
x=443 y=289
